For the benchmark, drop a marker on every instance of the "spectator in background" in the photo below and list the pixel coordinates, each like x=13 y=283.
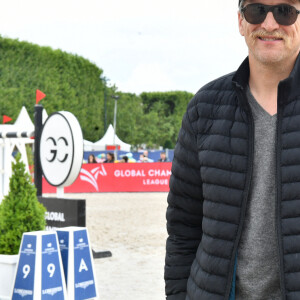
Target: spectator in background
x=141 y=158
x=163 y=157
x=101 y=158
x=124 y=159
x=146 y=157
x=110 y=158
x=92 y=159
x=130 y=157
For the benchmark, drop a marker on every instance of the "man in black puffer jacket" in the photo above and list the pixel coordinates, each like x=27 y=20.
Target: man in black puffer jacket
x=233 y=217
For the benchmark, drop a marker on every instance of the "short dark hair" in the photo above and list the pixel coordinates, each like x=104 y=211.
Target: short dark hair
x=111 y=155
x=241 y=3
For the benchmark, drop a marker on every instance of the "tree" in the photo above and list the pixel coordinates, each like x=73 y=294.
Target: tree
x=164 y=110
x=130 y=119
x=20 y=210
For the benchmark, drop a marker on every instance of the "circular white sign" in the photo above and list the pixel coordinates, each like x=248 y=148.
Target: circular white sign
x=61 y=149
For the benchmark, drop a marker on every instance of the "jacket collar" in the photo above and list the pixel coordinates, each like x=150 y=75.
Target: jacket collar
x=288 y=88
x=241 y=76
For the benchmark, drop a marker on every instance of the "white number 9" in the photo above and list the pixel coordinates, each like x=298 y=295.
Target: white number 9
x=51 y=269
x=26 y=270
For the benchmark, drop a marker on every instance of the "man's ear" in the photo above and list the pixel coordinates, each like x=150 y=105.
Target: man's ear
x=241 y=20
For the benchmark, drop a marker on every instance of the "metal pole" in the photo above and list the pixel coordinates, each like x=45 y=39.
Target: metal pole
x=115 y=126
x=2 y=168
x=105 y=107
x=105 y=80
x=38 y=123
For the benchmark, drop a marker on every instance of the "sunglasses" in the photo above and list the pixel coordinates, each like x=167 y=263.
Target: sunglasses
x=284 y=14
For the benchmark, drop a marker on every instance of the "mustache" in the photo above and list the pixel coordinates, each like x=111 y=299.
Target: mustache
x=263 y=34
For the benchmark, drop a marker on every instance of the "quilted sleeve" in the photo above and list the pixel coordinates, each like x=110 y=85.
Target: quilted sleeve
x=184 y=212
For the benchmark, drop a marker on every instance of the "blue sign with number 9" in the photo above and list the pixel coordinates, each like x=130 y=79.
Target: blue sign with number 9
x=52 y=286
x=24 y=283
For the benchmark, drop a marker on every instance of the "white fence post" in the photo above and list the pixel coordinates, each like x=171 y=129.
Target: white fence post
x=8 y=142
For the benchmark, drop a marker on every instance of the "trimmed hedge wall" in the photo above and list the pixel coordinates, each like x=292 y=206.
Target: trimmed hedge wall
x=70 y=82
x=73 y=83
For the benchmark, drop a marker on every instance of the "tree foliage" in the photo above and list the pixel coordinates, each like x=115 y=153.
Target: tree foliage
x=74 y=84
x=70 y=82
x=166 y=109
x=20 y=210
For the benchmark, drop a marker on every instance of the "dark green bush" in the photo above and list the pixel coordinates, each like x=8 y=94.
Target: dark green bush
x=70 y=82
x=20 y=210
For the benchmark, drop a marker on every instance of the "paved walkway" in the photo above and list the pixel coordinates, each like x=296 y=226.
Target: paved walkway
x=132 y=226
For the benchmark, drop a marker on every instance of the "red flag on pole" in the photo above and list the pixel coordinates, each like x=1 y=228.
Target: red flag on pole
x=6 y=119
x=39 y=96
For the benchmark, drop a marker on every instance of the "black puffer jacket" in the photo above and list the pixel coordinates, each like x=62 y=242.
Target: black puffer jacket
x=209 y=187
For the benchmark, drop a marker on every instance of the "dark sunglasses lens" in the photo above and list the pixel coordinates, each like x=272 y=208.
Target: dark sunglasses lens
x=255 y=13
x=285 y=14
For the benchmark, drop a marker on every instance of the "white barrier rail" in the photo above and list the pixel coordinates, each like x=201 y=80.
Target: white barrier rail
x=17 y=134
x=9 y=142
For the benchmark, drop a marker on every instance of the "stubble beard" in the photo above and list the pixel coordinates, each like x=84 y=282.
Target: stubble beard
x=269 y=57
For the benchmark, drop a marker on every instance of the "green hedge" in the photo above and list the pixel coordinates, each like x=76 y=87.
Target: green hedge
x=70 y=82
x=73 y=83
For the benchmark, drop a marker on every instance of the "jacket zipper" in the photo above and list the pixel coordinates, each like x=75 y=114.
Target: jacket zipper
x=245 y=199
x=278 y=197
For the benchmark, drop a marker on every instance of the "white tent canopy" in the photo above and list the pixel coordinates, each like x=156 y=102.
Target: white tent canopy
x=22 y=124
x=87 y=145
x=108 y=139
x=8 y=146
x=44 y=115
x=23 y=121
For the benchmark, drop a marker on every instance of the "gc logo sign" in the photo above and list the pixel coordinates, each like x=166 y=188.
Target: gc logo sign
x=54 y=151
x=61 y=149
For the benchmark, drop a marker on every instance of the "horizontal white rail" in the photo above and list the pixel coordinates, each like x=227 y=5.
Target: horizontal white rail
x=17 y=134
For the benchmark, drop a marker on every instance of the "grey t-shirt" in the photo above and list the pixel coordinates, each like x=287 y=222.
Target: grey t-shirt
x=257 y=276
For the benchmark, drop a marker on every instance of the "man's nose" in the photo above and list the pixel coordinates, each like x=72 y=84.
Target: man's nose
x=270 y=23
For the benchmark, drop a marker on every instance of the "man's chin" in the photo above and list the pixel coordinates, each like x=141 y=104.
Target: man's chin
x=269 y=58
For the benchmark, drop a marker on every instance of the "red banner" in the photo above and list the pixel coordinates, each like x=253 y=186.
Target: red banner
x=119 y=177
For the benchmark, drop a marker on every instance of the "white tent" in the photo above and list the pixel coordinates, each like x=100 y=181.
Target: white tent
x=87 y=145
x=8 y=145
x=44 y=115
x=22 y=124
x=23 y=121
x=108 y=140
